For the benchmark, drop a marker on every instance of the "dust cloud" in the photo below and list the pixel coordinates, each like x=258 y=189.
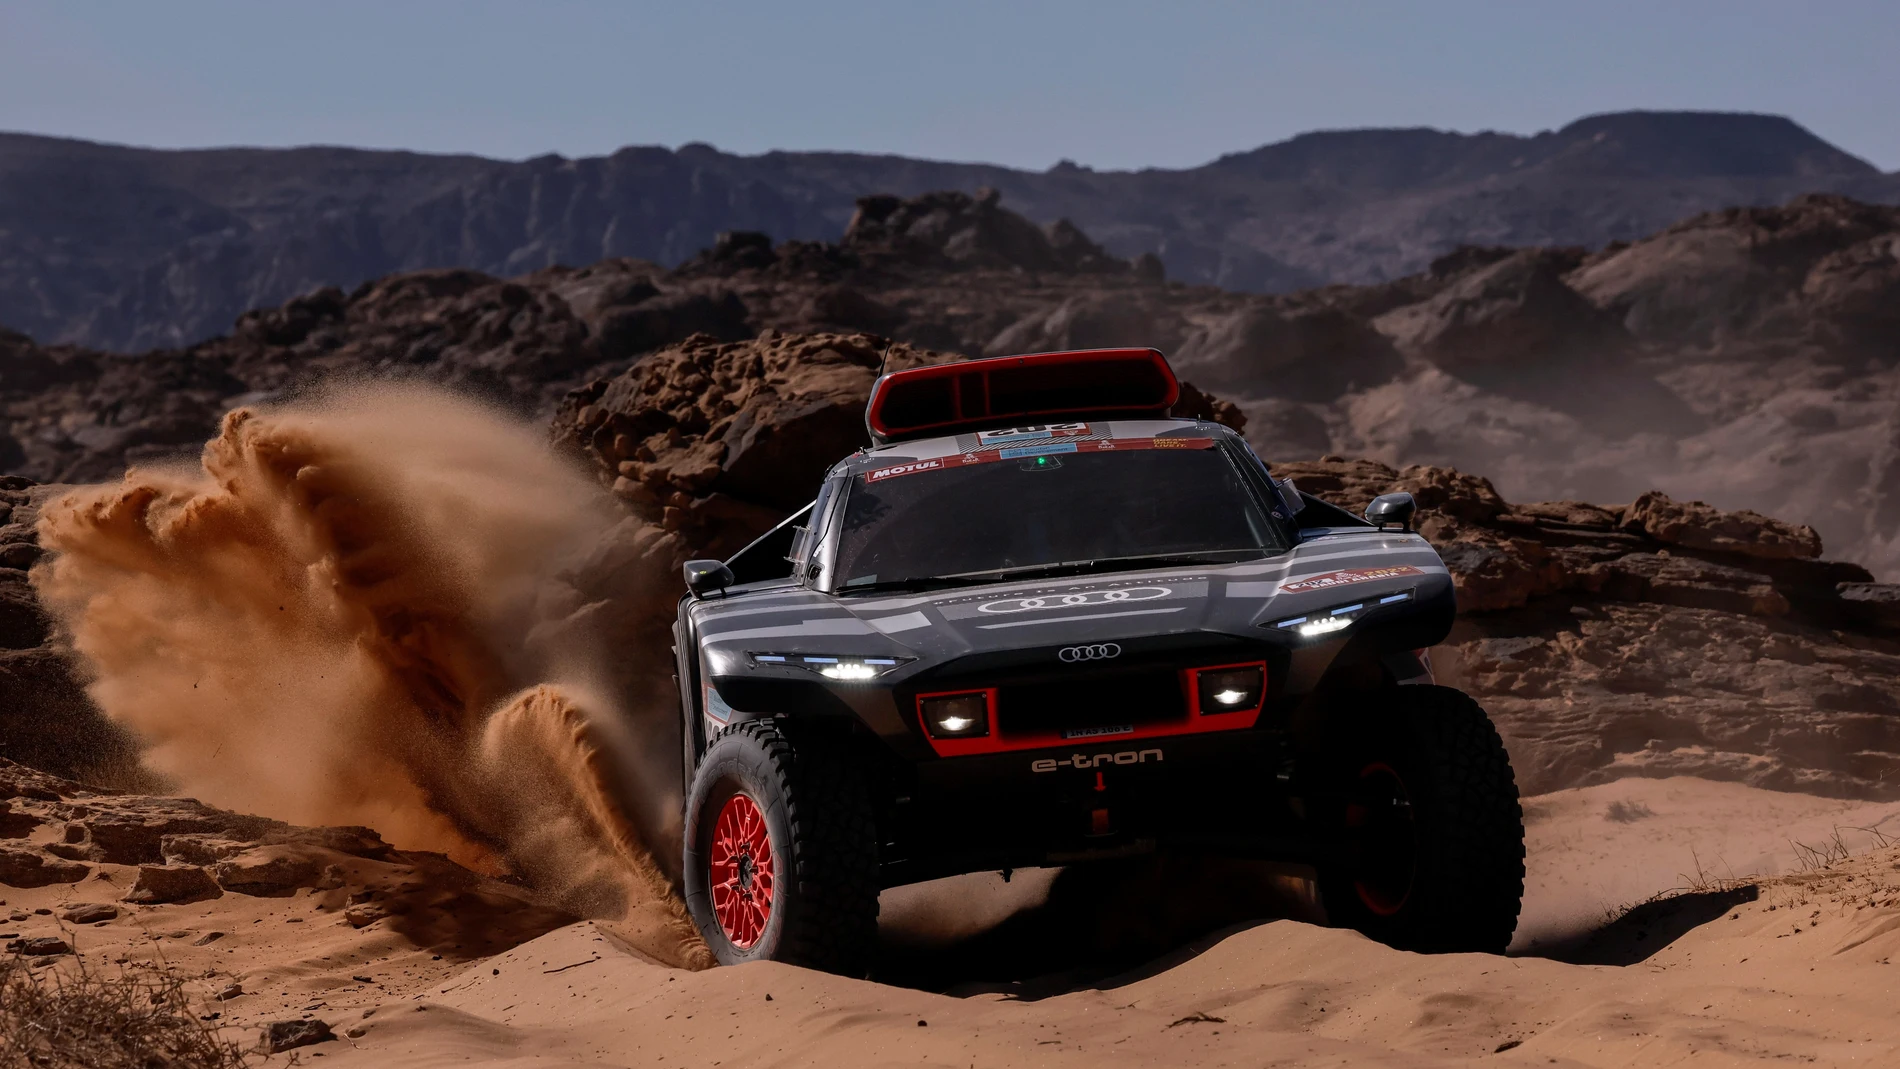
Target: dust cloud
x=395 y=607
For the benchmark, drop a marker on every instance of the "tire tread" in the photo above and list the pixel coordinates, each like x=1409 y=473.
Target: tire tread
x=831 y=921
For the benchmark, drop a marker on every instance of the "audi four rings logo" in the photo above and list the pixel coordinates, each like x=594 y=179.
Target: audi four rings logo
x=1101 y=651
x=1085 y=599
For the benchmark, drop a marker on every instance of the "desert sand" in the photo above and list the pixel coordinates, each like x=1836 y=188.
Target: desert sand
x=1787 y=959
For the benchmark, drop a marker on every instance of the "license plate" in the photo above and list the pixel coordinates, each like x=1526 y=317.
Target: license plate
x=1096 y=733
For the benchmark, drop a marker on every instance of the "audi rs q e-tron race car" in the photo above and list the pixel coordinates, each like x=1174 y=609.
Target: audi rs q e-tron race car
x=1037 y=622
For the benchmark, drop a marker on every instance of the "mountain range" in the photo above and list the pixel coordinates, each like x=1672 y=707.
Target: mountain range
x=125 y=248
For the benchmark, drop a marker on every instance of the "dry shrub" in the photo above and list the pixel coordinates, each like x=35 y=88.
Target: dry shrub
x=76 y=1017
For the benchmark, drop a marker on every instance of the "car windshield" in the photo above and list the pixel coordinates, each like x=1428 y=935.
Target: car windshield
x=970 y=515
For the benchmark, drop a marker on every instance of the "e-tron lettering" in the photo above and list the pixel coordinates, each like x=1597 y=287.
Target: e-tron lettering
x=1087 y=761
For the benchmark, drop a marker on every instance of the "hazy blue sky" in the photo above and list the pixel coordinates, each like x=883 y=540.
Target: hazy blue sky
x=1105 y=83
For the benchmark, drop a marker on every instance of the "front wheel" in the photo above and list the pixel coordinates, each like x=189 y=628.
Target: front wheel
x=1422 y=810
x=781 y=852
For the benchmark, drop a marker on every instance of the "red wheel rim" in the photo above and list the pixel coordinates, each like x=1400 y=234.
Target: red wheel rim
x=1380 y=817
x=741 y=871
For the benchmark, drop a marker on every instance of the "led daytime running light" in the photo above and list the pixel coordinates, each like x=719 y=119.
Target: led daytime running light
x=1331 y=621
x=841 y=669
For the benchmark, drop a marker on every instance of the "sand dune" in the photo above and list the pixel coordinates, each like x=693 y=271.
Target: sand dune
x=1794 y=966
x=1802 y=972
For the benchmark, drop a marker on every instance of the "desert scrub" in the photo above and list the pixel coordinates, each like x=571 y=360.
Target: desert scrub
x=75 y=1016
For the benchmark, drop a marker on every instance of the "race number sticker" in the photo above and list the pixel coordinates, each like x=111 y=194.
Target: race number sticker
x=1347 y=578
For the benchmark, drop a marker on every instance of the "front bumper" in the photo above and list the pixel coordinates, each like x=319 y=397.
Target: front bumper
x=1226 y=793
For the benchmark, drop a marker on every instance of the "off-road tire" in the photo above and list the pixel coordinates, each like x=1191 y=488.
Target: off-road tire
x=1465 y=826
x=824 y=845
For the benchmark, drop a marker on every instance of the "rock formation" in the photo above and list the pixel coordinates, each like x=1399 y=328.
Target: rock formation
x=1746 y=357
x=168 y=851
x=1656 y=638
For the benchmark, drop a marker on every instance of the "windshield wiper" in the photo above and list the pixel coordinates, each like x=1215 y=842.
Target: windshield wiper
x=1110 y=564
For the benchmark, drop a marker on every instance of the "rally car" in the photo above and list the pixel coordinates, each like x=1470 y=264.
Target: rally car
x=1036 y=622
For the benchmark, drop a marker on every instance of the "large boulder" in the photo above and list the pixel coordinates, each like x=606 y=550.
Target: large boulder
x=1698 y=526
x=160 y=884
x=32 y=868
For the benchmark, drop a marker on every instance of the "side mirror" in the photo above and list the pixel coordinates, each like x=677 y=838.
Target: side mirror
x=1388 y=509
x=705 y=576
x=801 y=536
x=1290 y=498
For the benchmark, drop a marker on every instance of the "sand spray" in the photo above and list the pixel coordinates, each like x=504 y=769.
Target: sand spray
x=393 y=606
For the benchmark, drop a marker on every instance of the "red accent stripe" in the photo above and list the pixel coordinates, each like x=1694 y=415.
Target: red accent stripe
x=1196 y=722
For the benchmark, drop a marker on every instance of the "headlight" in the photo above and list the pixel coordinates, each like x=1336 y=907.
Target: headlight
x=1230 y=689
x=1327 y=621
x=842 y=669
x=956 y=716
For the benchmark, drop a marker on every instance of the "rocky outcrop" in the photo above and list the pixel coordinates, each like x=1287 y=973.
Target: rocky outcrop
x=1657 y=638
x=424 y=897
x=957 y=229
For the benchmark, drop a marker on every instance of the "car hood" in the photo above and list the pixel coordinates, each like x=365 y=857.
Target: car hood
x=937 y=626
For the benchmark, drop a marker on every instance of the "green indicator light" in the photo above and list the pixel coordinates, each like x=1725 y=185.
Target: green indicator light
x=1042 y=460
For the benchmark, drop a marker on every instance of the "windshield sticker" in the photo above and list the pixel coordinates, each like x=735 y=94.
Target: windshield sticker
x=1024 y=434
x=991 y=456
x=716 y=708
x=902 y=469
x=1035 y=450
x=1347 y=578
x=1089 y=598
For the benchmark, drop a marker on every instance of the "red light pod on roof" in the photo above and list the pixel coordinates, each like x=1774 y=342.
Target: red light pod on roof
x=1042 y=387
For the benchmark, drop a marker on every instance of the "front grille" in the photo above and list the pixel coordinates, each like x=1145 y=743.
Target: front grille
x=1092 y=701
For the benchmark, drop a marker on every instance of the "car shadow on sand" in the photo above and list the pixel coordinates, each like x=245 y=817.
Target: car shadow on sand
x=1110 y=924
x=1101 y=925
x=1640 y=932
